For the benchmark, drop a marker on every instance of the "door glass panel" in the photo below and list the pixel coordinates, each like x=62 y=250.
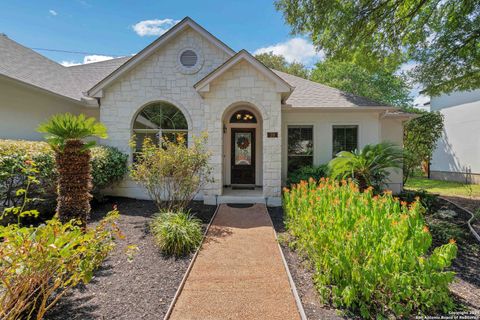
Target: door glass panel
x=243 y=148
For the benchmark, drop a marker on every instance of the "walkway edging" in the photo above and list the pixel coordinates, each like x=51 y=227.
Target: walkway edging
x=190 y=265
x=293 y=287
x=472 y=230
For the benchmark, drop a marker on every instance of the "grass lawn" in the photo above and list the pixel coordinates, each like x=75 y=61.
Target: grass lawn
x=446 y=188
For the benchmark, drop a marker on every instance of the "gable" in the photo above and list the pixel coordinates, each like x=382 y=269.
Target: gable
x=163 y=42
x=244 y=60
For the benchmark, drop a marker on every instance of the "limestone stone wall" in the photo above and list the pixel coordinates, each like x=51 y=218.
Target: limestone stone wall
x=159 y=78
x=243 y=84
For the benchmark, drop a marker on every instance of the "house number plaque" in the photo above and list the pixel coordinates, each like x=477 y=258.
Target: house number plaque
x=272 y=134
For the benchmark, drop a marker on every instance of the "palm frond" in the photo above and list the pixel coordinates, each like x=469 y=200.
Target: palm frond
x=63 y=127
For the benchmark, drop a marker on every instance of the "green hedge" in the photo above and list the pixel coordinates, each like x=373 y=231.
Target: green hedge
x=371 y=254
x=108 y=166
x=307 y=172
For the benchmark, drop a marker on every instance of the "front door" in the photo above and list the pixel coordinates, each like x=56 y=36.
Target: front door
x=243 y=156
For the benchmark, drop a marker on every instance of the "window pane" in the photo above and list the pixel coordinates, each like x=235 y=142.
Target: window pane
x=160 y=115
x=243 y=116
x=300 y=141
x=345 y=138
x=300 y=147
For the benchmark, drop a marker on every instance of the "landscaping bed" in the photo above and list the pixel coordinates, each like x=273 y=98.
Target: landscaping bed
x=140 y=289
x=302 y=275
x=466 y=287
x=467 y=263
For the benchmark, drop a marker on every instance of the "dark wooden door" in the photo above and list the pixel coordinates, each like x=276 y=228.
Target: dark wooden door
x=243 y=156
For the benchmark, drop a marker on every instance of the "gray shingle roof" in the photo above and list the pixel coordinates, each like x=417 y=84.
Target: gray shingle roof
x=314 y=95
x=23 y=64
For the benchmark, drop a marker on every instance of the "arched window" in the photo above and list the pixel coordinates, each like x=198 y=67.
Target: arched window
x=243 y=116
x=159 y=120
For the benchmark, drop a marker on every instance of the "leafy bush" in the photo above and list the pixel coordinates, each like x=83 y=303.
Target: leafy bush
x=307 y=172
x=369 y=252
x=176 y=233
x=369 y=166
x=172 y=173
x=38 y=265
x=108 y=166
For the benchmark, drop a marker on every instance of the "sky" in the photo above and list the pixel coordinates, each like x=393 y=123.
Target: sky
x=105 y=29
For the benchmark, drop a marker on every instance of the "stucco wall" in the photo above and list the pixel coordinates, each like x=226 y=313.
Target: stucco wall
x=458 y=151
x=23 y=108
x=371 y=129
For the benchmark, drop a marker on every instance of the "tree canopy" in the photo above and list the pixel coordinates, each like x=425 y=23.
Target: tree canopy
x=278 y=62
x=379 y=85
x=441 y=36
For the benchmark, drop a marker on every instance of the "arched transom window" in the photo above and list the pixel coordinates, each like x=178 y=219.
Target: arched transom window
x=243 y=116
x=159 y=120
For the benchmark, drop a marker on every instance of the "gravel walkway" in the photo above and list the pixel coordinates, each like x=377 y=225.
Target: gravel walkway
x=239 y=273
x=141 y=289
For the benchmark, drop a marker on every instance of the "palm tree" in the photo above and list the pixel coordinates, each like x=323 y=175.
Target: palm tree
x=369 y=166
x=66 y=133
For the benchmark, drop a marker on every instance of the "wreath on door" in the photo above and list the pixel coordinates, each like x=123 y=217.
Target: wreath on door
x=243 y=143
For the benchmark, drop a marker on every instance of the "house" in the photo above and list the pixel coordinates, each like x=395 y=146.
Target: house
x=261 y=123
x=457 y=156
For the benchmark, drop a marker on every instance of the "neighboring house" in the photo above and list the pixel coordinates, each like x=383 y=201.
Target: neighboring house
x=261 y=123
x=457 y=156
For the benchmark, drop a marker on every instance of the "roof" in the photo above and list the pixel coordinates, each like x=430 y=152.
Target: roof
x=29 y=67
x=243 y=55
x=309 y=94
x=76 y=82
x=186 y=22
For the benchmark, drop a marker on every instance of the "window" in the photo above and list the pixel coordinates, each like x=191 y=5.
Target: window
x=188 y=58
x=159 y=121
x=300 y=147
x=243 y=116
x=345 y=138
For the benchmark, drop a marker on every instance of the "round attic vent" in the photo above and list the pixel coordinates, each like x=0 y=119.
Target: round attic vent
x=188 y=58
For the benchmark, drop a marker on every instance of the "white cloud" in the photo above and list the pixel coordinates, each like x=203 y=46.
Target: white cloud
x=53 y=12
x=296 y=49
x=155 y=27
x=87 y=59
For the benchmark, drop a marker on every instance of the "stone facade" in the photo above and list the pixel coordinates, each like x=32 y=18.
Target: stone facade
x=160 y=77
x=243 y=84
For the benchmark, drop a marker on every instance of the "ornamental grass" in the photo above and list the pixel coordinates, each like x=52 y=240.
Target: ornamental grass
x=370 y=253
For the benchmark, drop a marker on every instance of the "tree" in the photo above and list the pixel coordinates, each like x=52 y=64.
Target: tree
x=381 y=85
x=66 y=133
x=369 y=166
x=278 y=62
x=419 y=139
x=442 y=36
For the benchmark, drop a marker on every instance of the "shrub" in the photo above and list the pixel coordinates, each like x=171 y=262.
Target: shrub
x=108 y=166
x=369 y=252
x=172 y=173
x=307 y=172
x=369 y=166
x=176 y=233
x=38 y=265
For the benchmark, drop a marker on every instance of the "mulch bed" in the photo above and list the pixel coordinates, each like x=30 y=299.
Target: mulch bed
x=467 y=263
x=141 y=289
